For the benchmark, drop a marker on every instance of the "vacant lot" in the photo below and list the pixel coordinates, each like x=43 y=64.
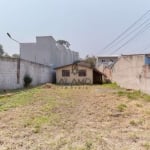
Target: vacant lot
x=75 y=118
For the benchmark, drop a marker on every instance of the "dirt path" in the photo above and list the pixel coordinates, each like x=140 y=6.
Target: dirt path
x=81 y=118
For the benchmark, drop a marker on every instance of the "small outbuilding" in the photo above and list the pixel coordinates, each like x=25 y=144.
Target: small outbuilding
x=78 y=73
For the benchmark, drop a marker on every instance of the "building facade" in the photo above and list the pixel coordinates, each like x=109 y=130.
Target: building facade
x=105 y=64
x=72 y=74
x=48 y=52
x=78 y=73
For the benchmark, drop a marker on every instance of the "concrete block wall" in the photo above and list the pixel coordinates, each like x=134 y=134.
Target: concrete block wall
x=131 y=72
x=8 y=73
x=39 y=73
x=48 y=52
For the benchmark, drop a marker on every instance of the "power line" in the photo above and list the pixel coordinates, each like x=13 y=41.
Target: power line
x=130 y=27
x=146 y=48
x=130 y=33
x=140 y=32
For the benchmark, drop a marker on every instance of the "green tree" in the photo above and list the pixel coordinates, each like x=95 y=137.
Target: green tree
x=6 y=55
x=1 y=50
x=91 y=60
x=15 y=55
x=64 y=43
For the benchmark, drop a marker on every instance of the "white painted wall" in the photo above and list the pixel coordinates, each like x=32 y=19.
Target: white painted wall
x=46 y=51
x=8 y=73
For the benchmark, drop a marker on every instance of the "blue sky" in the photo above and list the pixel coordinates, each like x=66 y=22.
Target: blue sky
x=87 y=24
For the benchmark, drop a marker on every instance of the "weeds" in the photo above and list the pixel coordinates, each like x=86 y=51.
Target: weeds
x=130 y=95
x=88 y=145
x=111 y=85
x=59 y=118
x=134 y=95
x=20 y=99
x=121 y=93
x=121 y=107
x=133 y=123
x=134 y=137
x=36 y=129
x=146 y=146
x=139 y=105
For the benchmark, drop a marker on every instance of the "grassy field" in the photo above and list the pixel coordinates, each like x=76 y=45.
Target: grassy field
x=52 y=117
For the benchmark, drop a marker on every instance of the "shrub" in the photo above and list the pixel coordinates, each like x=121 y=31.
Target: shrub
x=133 y=123
x=27 y=81
x=111 y=85
x=121 y=107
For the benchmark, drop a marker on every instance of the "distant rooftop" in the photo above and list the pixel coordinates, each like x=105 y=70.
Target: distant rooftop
x=135 y=54
x=109 y=56
x=80 y=63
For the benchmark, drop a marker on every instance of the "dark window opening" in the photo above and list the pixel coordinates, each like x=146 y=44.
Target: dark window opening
x=82 y=73
x=65 y=73
x=147 y=60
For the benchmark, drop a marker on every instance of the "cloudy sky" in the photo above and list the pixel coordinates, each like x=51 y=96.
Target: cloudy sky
x=88 y=25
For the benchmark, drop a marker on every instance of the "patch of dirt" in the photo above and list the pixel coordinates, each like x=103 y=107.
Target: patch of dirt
x=48 y=85
x=89 y=119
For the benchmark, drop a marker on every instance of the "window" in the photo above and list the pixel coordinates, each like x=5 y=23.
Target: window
x=82 y=73
x=147 y=60
x=65 y=73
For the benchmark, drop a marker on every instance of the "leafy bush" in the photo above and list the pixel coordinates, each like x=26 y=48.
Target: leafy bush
x=27 y=81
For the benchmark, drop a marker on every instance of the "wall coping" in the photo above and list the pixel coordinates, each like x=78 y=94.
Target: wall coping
x=15 y=60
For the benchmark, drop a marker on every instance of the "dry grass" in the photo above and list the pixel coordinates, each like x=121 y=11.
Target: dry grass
x=74 y=118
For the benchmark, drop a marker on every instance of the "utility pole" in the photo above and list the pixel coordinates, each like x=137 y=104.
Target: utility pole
x=19 y=59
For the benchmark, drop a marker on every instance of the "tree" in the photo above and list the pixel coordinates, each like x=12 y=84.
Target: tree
x=6 y=55
x=91 y=60
x=64 y=43
x=15 y=55
x=3 y=53
x=1 y=50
